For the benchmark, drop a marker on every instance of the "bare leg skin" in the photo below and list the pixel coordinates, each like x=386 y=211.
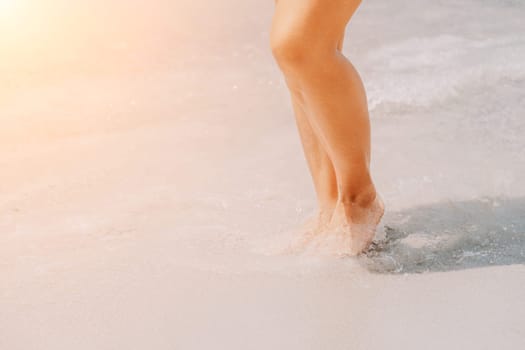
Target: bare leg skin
x=319 y=163
x=306 y=38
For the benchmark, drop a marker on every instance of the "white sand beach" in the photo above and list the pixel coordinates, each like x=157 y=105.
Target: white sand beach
x=150 y=169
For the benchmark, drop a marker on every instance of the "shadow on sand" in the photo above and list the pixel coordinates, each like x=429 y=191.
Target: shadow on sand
x=451 y=236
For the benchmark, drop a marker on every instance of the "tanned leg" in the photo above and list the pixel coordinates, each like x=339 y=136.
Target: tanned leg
x=319 y=163
x=306 y=39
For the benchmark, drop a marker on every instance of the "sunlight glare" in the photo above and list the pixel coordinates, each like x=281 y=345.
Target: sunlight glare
x=6 y=6
x=7 y=10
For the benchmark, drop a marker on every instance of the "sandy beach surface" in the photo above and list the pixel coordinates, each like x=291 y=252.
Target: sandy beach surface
x=150 y=169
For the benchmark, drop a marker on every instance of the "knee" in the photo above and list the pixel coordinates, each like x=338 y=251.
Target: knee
x=294 y=52
x=288 y=50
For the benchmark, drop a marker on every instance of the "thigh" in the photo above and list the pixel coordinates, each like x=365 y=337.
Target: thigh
x=312 y=22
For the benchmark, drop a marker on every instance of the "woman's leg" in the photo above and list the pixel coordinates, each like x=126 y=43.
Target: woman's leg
x=305 y=38
x=319 y=163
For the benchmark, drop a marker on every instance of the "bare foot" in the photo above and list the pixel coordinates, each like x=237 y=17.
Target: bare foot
x=313 y=227
x=356 y=225
x=350 y=231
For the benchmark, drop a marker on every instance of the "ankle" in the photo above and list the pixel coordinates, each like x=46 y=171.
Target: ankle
x=363 y=198
x=327 y=200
